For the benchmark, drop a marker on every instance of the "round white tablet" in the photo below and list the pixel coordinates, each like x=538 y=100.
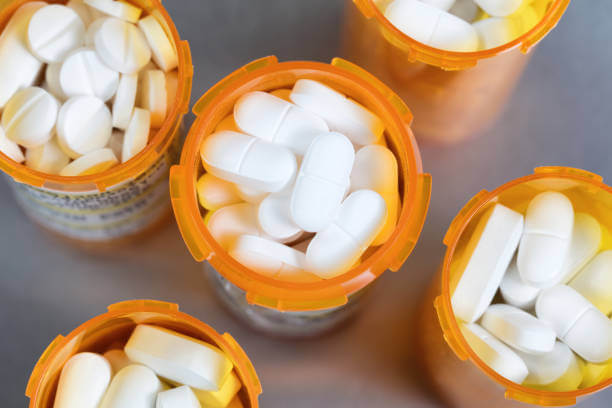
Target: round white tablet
x=137 y=134
x=10 y=148
x=83 y=73
x=122 y=46
x=125 y=99
x=48 y=158
x=29 y=116
x=153 y=95
x=164 y=53
x=83 y=125
x=119 y=9
x=54 y=31
x=91 y=163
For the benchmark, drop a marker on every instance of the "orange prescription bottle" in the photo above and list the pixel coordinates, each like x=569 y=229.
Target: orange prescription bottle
x=299 y=309
x=114 y=327
x=457 y=373
x=453 y=95
x=129 y=199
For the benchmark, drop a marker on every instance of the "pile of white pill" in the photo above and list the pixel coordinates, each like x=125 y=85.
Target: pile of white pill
x=554 y=331
x=82 y=84
x=465 y=25
x=157 y=368
x=299 y=183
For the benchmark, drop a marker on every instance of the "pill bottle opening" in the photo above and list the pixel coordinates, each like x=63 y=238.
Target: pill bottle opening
x=113 y=329
x=268 y=75
x=587 y=193
x=159 y=140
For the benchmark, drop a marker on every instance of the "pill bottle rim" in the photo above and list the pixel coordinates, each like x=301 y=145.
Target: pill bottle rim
x=242 y=363
x=266 y=291
x=159 y=143
x=455 y=60
x=443 y=305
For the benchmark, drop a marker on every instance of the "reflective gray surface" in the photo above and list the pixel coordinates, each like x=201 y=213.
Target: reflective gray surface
x=559 y=115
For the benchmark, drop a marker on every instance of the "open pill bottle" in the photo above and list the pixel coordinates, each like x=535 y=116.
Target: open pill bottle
x=453 y=95
x=285 y=308
x=124 y=202
x=114 y=328
x=460 y=377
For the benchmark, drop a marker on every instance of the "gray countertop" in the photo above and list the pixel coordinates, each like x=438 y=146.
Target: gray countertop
x=559 y=115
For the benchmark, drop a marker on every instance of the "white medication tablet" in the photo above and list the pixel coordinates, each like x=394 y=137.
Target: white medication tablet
x=495 y=31
x=594 y=282
x=221 y=398
x=342 y=115
x=93 y=162
x=122 y=46
x=19 y=68
x=164 y=52
x=84 y=380
x=248 y=161
x=125 y=100
x=227 y=223
x=83 y=125
x=500 y=8
x=84 y=74
x=251 y=195
x=274 y=216
x=52 y=81
x=180 y=397
x=499 y=357
x=10 y=148
x=135 y=386
x=116 y=142
x=153 y=95
x=549 y=222
x=516 y=292
x=137 y=134
x=432 y=26
x=48 y=158
x=486 y=258
x=275 y=120
x=54 y=31
x=322 y=182
x=179 y=358
x=585 y=242
x=335 y=249
x=29 y=117
x=466 y=10
x=578 y=323
x=558 y=370
x=117 y=359
x=375 y=168
x=214 y=193
x=518 y=329
x=440 y=4
x=120 y=9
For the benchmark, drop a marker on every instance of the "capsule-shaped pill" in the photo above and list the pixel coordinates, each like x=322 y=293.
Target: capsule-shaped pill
x=180 y=397
x=594 y=282
x=275 y=120
x=586 y=240
x=84 y=380
x=135 y=386
x=274 y=216
x=558 y=370
x=227 y=223
x=215 y=193
x=248 y=161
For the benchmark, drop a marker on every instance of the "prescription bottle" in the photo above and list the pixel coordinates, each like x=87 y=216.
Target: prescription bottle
x=122 y=203
x=453 y=95
x=460 y=377
x=113 y=329
x=299 y=309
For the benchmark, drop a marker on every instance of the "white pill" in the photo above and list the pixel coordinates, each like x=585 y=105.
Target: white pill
x=122 y=46
x=221 y=398
x=375 y=168
x=518 y=329
x=499 y=8
x=135 y=386
x=274 y=216
x=86 y=13
x=248 y=161
x=19 y=68
x=585 y=242
x=578 y=323
x=10 y=148
x=117 y=359
x=275 y=120
x=137 y=134
x=432 y=26
x=153 y=95
x=179 y=358
x=125 y=100
x=466 y=10
x=227 y=223
x=322 y=182
x=516 y=292
x=164 y=52
x=93 y=162
x=29 y=117
x=558 y=370
x=116 y=142
x=84 y=74
x=214 y=193
x=342 y=115
x=594 y=282
x=84 y=380
x=54 y=31
x=251 y=195
x=90 y=34
x=440 y=4
x=180 y=397
x=486 y=258
x=120 y=9
x=499 y=357
x=549 y=222
x=335 y=249
x=48 y=158
x=83 y=125
x=52 y=80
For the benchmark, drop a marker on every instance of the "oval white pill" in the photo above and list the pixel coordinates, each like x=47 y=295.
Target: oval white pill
x=84 y=74
x=90 y=163
x=135 y=386
x=48 y=158
x=495 y=31
x=153 y=95
x=251 y=195
x=137 y=134
x=335 y=249
x=179 y=358
x=585 y=242
x=117 y=359
x=516 y=292
x=83 y=125
x=342 y=115
x=122 y=46
x=180 y=397
x=227 y=223
x=500 y=8
x=488 y=253
x=29 y=117
x=558 y=370
x=578 y=323
x=54 y=31
x=125 y=99
x=594 y=282
x=275 y=120
x=274 y=216
x=164 y=52
x=84 y=380
x=10 y=148
x=214 y=193
x=322 y=182
x=549 y=222
x=119 y=9
x=248 y=161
